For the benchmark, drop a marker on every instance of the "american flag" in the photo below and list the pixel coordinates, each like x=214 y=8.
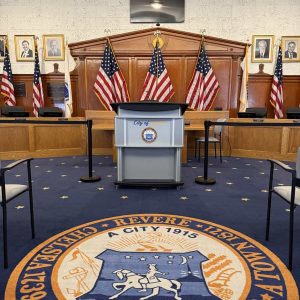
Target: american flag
x=204 y=84
x=157 y=85
x=7 y=86
x=276 y=90
x=38 y=95
x=110 y=86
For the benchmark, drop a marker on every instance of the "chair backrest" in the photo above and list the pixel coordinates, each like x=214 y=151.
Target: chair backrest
x=298 y=164
x=260 y=112
x=218 y=128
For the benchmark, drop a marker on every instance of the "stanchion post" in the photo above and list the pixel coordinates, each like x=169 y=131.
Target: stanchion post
x=90 y=177
x=204 y=179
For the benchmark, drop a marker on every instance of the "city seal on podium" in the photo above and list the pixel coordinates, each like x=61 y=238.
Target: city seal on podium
x=149 y=135
x=151 y=256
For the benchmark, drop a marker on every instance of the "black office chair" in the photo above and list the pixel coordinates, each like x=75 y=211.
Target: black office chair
x=13 y=111
x=216 y=139
x=260 y=112
x=52 y=112
x=9 y=192
x=290 y=194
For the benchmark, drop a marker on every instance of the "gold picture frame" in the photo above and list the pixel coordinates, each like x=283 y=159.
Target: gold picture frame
x=290 y=46
x=54 y=46
x=24 y=46
x=2 y=38
x=262 y=48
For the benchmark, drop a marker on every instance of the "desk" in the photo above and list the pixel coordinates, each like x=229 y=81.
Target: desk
x=42 y=140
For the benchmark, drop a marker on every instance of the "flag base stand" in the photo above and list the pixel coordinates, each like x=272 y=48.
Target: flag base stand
x=205 y=181
x=93 y=178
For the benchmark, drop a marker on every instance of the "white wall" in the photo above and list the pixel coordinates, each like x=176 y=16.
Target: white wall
x=87 y=19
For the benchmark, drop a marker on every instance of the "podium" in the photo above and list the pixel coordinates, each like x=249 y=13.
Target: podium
x=149 y=137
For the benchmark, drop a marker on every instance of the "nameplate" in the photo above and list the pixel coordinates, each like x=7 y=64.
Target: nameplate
x=55 y=90
x=258 y=120
x=20 y=89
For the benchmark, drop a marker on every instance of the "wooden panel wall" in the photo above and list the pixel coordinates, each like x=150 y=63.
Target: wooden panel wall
x=134 y=50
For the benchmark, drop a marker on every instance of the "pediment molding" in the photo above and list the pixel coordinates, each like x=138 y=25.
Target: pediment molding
x=176 y=43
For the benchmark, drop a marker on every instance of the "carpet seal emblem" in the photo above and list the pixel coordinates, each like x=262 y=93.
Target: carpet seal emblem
x=151 y=256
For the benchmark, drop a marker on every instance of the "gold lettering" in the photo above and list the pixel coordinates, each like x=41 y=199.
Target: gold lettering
x=42 y=257
x=259 y=276
x=35 y=296
x=34 y=265
x=134 y=220
x=242 y=246
x=145 y=219
x=263 y=266
x=276 y=289
x=184 y=222
x=253 y=256
x=26 y=289
x=157 y=220
x=120 y=222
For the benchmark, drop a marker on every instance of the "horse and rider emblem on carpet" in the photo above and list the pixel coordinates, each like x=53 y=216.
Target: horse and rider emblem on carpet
x=151 y=256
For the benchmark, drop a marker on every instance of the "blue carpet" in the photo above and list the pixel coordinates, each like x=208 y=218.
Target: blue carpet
x=238 y=200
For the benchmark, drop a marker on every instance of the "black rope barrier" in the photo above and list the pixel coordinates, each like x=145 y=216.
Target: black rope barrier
x=89 y=123
x=205 y=180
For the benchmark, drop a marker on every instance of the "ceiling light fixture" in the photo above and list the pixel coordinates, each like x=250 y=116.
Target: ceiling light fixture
x=156 y=4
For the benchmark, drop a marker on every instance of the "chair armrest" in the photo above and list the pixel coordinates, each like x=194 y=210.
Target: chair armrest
x=283 y=166
x=14 y=164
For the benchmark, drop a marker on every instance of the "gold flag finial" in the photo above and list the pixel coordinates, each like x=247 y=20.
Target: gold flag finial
x=157 y=40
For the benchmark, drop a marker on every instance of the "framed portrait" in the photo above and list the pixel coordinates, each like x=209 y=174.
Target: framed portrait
x=54 y=47
x=290 y=48
x=262 y=48
x=24 y=45
x=2 y=38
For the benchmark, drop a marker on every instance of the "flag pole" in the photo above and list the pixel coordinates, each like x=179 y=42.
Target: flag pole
x=157 y=34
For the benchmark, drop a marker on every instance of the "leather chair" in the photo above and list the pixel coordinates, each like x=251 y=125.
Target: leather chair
x=8 y=192
x=290 y=194
x=216 y=139
x=260 y=112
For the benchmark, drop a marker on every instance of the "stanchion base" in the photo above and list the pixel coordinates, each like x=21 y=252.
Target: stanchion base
x=205 y=181
x=93 y=178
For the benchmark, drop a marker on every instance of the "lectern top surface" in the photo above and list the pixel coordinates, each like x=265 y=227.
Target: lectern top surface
x=149 y=106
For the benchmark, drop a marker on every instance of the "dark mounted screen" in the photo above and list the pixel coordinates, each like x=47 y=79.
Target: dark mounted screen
x=156 y=11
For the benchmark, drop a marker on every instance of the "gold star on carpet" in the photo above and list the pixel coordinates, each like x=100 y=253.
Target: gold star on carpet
x=184 y=198
x=229 y=183
x=18 y=175
x=208 y=190
x=63 y=175
x=49 y=171
x=234 y=168
x=245 y=199
x=260 y=161
x=99 y=163
x=100 y=188
x=104 y=225
x=64 y=197
x=124 y=197
x=237 y=158
x=62 y=163
x=19 y=207
x=246 y=177
x=51 y=159
x=218 y=172
x=194 y=167
x=248 y=165
x=262 y=173
x=264 y=191
x=266 y=296
x=45 y=188
x=76 y=167
x=36 y=166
